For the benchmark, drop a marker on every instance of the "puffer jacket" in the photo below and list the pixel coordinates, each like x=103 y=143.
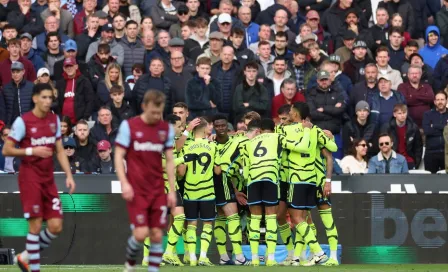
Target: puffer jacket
x=133 y=53
x=23 y=92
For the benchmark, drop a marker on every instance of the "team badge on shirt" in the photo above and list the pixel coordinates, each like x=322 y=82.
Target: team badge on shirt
x=33 y=130
x=139 y=134
x=140 y=218
x=53 y=127
x=36 y=208
x=162 y=135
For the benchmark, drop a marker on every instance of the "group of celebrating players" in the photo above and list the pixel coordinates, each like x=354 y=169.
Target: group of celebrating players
x=268 y=171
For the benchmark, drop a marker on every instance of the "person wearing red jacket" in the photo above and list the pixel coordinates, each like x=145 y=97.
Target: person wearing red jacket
x=288 y=95
x=419 y=96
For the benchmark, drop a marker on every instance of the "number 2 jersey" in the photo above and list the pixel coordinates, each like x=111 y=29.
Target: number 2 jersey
x=145 y=145
x=199 y=174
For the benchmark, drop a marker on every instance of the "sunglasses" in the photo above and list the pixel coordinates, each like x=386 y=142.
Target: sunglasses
x=363 y=145
x=313 y=19
x=182 y=13
x=68 y=147
x=385 y=143
x=225 y=24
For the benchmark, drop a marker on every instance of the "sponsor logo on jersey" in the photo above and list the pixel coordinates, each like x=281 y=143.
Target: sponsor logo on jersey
x=148 y=146
x=69 y=94
x=43 y=141
x=162 y=135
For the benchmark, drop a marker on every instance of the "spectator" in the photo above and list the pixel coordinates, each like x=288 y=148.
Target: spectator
x=85 y=144
x=9 y=32
x=405 y=10
x=345 y=51
x=103 y=163
x=27 y=51
x=305 y=35
x=137 y=72
x=113 y=76
x=145 y=24
x=17 y=93
x=216 y=45
x=445 y=137
x=333 y=17
x=132 y=47
x=410 y=48
x=382 y=103
x=382 y=61
x=406 y=136
x=380 y=31
x=70 y=51
x=107 y=36
x=149 y=44
x=333 y=66
x=323 y=37
x=203 y=91
x=226 y=73
x=251 y=29
x=280 y=49
x=103 y=18
x=387 y=161
x=14 y=56
x=178 y=45
x=427 y=72
x=289 y=95
x=279 y=73
x=225 y=7
x=183 y=16
x=242 y=53
x=65 y=17
x=112 y=8
x=434 y=122
x=119 y=23
x=194 y=11
x=397 y=22
x=200 y=32
x=419 y=96
x=153 y=80
x=6 y=163
x=264 y=56
x=43 y=76
x=39 y=6
x=354 y=68
x=104 y=129
x=354 y=162
x=80 y=19
x=359 y=127
x=75 y=93
x=433 y=50
x=316 y=56
x=364 y=89
x=53 y=53
x=352 y=22
x=442 y=23
x=178 y=75
x=303 y=71
x=66 y=127
x=441 y=74
x=395 y=50
x=77 y=164
x=164 y=14
x=98 y=64
x=89 y=35
x=51 y=25
x=120 y=109
x=25 y=19
x=264 y=33
x=251 y=95
x=317 y=6
x=280 y=21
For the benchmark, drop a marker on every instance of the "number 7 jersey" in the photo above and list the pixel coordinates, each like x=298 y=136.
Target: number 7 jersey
x=199 y=175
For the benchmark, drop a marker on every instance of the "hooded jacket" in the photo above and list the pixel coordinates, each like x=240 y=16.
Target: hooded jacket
x=37 y=60
x=334 y=17
x=97 y=70
x=432 y=54
x=115 y=50
x=23 y=93
x=354 y=68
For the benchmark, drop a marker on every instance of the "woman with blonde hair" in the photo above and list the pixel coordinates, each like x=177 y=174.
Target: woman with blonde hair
x=113 y=76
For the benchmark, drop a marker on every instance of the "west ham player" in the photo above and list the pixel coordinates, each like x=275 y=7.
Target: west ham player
x=37 y=134
x=141 y=141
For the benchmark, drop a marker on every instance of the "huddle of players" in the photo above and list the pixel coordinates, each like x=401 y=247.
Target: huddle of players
x=272 y=169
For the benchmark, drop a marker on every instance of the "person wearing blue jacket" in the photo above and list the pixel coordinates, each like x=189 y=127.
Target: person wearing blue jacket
x=433 y=50
x=387 y=161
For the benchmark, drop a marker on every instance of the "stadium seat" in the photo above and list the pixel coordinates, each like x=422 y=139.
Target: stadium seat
x=419 y=172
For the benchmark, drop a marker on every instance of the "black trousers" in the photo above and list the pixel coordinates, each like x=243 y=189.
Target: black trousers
x=434 y=162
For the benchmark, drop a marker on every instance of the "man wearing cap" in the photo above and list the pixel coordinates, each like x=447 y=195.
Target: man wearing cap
x=27 y=51
x=54 y=53
x=77 y=164
x=134 y=51
x=51 y=25
x=333 y=18
x=214 y=51
x=433 y=50
x=225 y=25
x=354 y=67
x=323 y=37
x=327 y=106
x=184 y=16
x=364 y=88
x=107 y=36
x=359 y=127
x=80 y=19
x=382 y=103
x=280 y=21
x=352 y=22
x=14 y=56
x=75 y=94
x=17 y=93
x=25 y=19
x=164 y=14
x=225 y=7
x=103 y=17
x=177 y=45
x=348 y=39
x=89 y=35
x=103 y=163
x=64 y=16
x=251 y=29
x=70 y=51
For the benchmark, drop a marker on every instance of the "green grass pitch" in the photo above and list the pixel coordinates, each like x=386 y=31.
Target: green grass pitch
x=342 y=268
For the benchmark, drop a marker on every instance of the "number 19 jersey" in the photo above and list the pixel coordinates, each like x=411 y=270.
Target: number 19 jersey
x=199 y=176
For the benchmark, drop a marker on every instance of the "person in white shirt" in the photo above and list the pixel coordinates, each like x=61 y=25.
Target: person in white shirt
x=355 y=162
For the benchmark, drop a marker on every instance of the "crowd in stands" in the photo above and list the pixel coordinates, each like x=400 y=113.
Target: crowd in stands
x=374 y=73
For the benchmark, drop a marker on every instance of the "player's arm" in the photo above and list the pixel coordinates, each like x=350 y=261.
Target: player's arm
x=302 y=146
x=217 y=162
x=170 y=168
x=119 y=156
x=65 y=165
x=326 y=142
x=122 y=143
x=183 y=138
x=329 y=159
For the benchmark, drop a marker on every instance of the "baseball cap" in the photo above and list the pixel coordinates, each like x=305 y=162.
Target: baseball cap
x=385 y=76
x=17 y=65
x=312 y=14
x=70 y=45
x=323 y=75
x=308 y=37
x=176 y=42
x=101 y=14
x=69 y=62
x=349 y=35
x=224 y=18
x=43 y=71
x=335 y=59
x=216 y=35
x=351 y=11
x=362 y=105
x=103 y=145
x=360 y=43
x=107 y=27
x=69 y=141
x=26 y=35
x=182 y=9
